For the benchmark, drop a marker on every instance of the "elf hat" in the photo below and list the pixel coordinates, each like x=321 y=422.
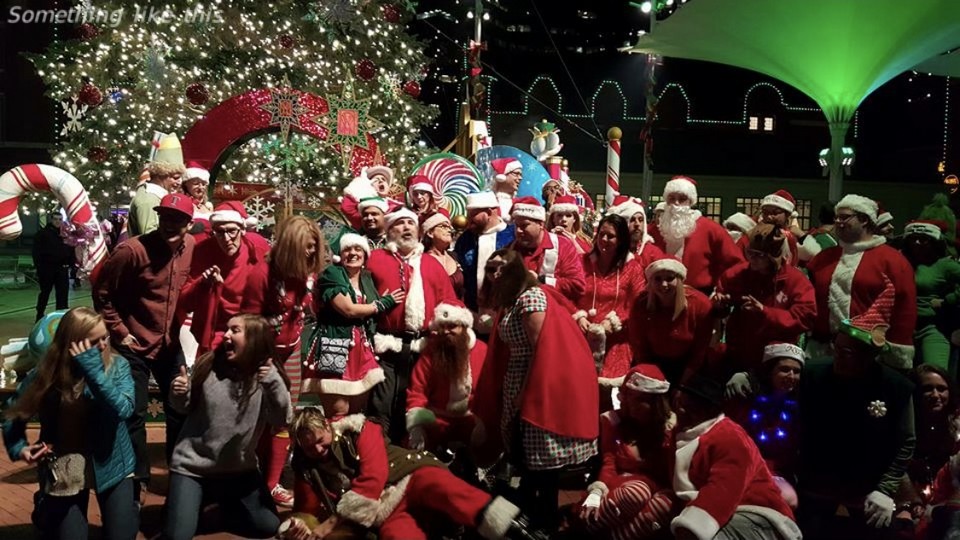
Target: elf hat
x=684 y=185
x=645 y=378
x=667 y=263
x=166 y=155
x=774 y=351
x=528 y=207
x=871 y=326
x=504 y=166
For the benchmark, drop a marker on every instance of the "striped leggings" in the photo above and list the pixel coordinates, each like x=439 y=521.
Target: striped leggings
x=632 y=511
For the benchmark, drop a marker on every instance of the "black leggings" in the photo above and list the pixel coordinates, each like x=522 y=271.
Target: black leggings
x=66 y=517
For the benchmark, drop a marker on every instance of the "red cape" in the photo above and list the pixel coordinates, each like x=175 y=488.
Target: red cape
x=561 y=393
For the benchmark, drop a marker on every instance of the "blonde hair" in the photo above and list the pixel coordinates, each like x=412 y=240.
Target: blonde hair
x=679 y=303
x=306 y=420
x=56 y=370
x=160 y=169
x=287 y=258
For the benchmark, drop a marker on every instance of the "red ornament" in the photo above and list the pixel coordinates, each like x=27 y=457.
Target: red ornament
x=90 y=95
x=197 y=94
x=287 y=41
x=391 y=13
x=366 y=69
x=412 y=88
x=97 y=154
x=88 y=31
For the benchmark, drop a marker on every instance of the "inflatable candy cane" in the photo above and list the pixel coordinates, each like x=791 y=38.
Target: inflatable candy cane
x=73 y=198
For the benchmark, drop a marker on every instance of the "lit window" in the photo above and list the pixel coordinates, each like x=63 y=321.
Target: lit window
x=768 y=123
x=754 y=123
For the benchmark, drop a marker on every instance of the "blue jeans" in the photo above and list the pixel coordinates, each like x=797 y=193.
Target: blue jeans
x=66 y=517
x=244 y=498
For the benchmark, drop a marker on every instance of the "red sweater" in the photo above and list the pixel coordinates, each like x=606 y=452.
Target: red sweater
x=707 y=253
x=674 y=345
x=568 y=276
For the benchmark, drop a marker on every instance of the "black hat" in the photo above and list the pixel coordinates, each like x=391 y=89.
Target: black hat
x=704 y=388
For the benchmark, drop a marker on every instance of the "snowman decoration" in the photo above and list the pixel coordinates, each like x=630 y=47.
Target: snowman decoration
x=546 y=143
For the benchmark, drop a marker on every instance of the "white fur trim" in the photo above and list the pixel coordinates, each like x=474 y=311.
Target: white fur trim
x=359 y=509
x=360 y=188
x=687 y=444
x=884 y=218
x=660 y=207
x=414 y=306
x=390 y=499
x=400 y=213
x=352 y=423
x=696 y=520
x=627 y=209
x=564 y=208
x=435 y=219
x=615 y=324
x=579 y=315
x=486 y=245
x=672 y=265
x=784 y=350
x=599 y=487
x=384 y=343
x=639 y=382
x=227 y=216
x=355 y=240
x=421 y=186
x=482 y=199
x=741 y=220
x=507 y=169
x=681 y=184
x=841 y=284
x=497 y=519
x=197 y=172
x=898 y=356
x=529 y=211
x=859 y=204
x=928 y=229
x=342 y=387
x=780 y=202
x=373 y=202
x=607 y=382
x=451 y=314
x=458 y=403
x=548 y=268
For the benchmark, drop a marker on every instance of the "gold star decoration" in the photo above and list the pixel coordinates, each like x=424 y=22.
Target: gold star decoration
x=285 y=109
x=348 y=122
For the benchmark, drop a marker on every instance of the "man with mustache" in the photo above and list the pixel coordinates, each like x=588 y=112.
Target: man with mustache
x=372 y=224
x=553 y=258
x=441 y=387
x=401 y=333
x=703 y=245
x=633 y=210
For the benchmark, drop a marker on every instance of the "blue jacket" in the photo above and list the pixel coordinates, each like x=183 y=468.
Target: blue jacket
x=109 y=448
x=466 y=249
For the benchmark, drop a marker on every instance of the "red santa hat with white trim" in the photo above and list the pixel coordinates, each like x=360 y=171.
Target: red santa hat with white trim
x=861 y=205
x=669 y=264
x=232 y=212
x=482 y=200
x=399 y=213
x=934 y=228
x=504 y=166
x=442 y=215
x=883 y=215
x=566 y=204
x=741 y=221
x=684 y=185
x=373 y=202
x=195 y=170
x=445 y=313
x=781 y=199
x=528 y=207
x=775 y=351
x=419 y=182
x=626 y=206
x=646 y=379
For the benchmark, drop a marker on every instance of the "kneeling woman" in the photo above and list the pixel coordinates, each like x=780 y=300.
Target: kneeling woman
x=82 y=393
x=234 y=393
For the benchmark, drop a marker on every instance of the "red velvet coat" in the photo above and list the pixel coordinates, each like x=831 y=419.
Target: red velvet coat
x=677 y=345
x=707 y=253
x=431 y=389
x=391 y=272
x=789 y=311
x=621 y=464
x=561 y=394
x=569 y=278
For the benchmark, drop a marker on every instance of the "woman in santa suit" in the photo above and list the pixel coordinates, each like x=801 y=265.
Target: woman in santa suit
x=536 y=397
x=437 y=237
x=424 y=199
x=564 y=219
x=632 y=496
x=670 y=323
x=614 y=281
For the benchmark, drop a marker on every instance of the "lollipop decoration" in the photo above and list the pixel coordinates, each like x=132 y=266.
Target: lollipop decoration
x=73 y=198
x=453 y=177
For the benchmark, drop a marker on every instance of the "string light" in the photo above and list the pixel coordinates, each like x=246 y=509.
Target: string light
x=946 y=121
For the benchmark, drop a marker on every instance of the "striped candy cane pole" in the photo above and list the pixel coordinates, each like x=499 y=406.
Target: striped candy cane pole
x=68 y=190
x=613 y=164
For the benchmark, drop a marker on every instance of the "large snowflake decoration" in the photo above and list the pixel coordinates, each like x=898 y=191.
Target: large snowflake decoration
x=348 y=122
x=285 y=109
x=155 y=61
x=155 y=408
x=74 y=112
x=290 y=156
x=261 y=210
x=337 y=11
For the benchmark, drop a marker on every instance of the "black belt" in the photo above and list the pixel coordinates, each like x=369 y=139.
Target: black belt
x=406 y=335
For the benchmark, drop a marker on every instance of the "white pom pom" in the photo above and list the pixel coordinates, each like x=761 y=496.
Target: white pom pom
x=592 y=312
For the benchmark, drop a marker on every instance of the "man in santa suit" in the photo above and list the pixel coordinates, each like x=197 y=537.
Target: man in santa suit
x=705 y=248
x=720 y=474
x=359 y=479
x=441 y=387
x=401 y=332
x=508 y=173
x=847 y=279
x=633 y=210
x=553 y=258
x=373 y=182
x=372 y=222
x=779 y=209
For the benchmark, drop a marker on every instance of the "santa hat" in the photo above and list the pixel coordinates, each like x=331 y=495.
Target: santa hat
x=442 y=215
x=741 y=221
x=381 y=170
x=566 y=204
x=784 y=350
x=626 y=206
x=645 y=378
x=504 y=166
x=883 y=215
x=528 y=207
x=553 y=181
x=684 y=185
x=931 y=228
x=483 y=199
x=451 y=314
x=660 y=207
x=232 y=212
x=194 y=170
x=420 y=182
x=670 y=264
x=400 y=213
x=359 y=376
x=373 y=202
x=871 y=326
x=860 y=205
x=781 y=199
x=353 y=240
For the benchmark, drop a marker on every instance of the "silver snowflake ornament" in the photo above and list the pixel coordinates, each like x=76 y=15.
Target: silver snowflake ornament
x=877 y=409
x=74 y=111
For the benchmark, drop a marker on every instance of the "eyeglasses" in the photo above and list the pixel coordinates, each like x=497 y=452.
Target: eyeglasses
x=227 y=233
x=843 y=218
x=446 y=226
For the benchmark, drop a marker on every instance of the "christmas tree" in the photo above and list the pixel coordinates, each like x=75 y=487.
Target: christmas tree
x=161 y=66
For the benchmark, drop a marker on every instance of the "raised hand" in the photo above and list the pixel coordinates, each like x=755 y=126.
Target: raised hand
x=78 y=347
x=212 y=274
x=264 y=370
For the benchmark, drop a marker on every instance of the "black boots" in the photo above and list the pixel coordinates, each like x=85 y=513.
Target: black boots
x=520 y=529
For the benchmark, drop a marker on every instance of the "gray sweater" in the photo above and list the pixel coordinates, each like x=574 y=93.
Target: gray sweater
x=220 y=434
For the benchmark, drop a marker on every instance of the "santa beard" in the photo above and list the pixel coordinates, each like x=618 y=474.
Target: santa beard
x=404 y=245
x=678 y=222
x=451 y=354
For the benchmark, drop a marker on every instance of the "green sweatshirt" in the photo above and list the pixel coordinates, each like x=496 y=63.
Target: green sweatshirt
x=939 y=280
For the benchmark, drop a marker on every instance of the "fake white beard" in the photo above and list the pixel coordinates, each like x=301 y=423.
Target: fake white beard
x=405 y=245
x=678 y=222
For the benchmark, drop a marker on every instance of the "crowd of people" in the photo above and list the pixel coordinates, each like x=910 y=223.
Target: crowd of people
x=695 y=380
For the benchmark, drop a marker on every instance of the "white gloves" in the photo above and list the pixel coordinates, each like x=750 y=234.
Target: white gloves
x=878 y=509
x=739 y=385
x=417 y=438
x=593 y=500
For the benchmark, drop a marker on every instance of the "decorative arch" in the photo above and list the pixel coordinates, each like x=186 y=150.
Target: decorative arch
x=683 y=93
x=241 y=118
x=552 y=85
x=616 y=86
x=759 y=85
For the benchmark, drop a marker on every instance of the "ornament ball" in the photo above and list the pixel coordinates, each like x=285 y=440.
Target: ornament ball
x=197 y=93
x=88 y=31
x=97 y=154
x=459 y=222
x=287 y=41
x=90 y=95
x=391 y=13
x=412 y=88
x=366 y=69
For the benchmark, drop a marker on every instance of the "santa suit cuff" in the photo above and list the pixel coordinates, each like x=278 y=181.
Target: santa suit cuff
x=552 y=281
x=898 y=356
x=357 y=508
x=598 y=487
x=696 y=520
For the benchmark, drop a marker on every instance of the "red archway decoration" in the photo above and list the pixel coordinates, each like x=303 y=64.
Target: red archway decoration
x=241 y=116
